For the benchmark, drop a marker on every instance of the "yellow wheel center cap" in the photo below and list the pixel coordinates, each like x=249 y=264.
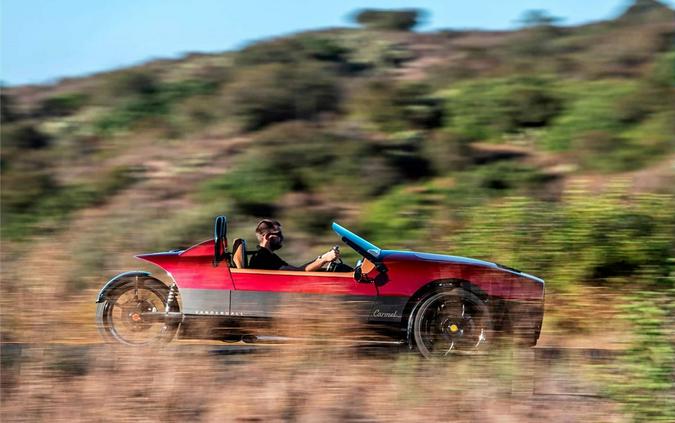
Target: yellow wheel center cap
x=453 y=328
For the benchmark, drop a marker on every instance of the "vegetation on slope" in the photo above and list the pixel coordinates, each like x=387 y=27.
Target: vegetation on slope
x=520 y=147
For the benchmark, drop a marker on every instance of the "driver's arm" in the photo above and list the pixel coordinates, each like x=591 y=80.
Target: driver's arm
x=322 y=260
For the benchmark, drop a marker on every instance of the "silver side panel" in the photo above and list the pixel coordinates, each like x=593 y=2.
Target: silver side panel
x=214 y=302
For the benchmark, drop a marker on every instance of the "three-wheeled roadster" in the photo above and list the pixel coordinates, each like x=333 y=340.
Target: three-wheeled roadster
x=436 y=304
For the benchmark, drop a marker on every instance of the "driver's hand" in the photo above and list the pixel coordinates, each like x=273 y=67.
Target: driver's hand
x=330 y=256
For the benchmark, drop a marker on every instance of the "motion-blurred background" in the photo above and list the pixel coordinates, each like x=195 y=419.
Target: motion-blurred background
x=548 y=147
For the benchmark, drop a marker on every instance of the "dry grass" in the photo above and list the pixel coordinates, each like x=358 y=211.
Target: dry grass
x=279 y=384
x=312 y=380
x=50 y=379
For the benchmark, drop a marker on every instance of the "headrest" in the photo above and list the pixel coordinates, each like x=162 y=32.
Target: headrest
x=239 y=257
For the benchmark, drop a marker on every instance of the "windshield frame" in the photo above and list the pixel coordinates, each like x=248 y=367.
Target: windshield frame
x=360 y=245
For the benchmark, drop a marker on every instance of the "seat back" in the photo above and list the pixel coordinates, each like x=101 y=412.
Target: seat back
x=239 y=257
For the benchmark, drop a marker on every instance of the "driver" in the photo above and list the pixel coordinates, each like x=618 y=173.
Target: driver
x=270 y=238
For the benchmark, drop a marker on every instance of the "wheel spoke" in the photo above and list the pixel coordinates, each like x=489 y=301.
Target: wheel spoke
x=455 y=308
x=122 y=305
x=452 y=344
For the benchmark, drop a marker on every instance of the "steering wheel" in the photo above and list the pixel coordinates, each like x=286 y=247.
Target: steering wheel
x=333 y=265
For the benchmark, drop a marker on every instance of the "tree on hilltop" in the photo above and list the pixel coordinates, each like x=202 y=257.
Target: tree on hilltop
x=397 y=20
x=646 y=11
x=538 y=18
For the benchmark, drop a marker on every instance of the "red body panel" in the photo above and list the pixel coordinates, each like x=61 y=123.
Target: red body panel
x=300 y=282
x=193 y=268
x=406 y=276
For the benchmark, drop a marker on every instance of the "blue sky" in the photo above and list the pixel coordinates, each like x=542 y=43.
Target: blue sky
x=42 y=40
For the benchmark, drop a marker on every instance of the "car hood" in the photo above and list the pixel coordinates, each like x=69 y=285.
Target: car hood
x=441 y=258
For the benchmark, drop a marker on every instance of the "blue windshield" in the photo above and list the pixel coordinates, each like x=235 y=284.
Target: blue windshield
x=359 y=244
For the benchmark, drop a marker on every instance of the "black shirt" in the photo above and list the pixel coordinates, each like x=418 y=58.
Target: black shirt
x=265 y=259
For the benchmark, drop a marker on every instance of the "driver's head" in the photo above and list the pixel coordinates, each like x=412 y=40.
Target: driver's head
x=269 y=234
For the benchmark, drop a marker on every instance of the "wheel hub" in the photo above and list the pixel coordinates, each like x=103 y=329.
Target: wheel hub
x=451 y=329
x=133 y=315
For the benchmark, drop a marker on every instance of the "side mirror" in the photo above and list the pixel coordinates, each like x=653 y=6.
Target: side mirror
x=364 y=267
x=358 y=274
x=220 y=240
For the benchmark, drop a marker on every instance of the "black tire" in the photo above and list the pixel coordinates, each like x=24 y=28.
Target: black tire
x=451 y=322
x=114 y=314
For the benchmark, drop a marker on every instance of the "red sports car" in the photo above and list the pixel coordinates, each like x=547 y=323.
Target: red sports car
x=437 y=304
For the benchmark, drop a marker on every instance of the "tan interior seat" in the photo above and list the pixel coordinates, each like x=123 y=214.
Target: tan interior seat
x=239 y=257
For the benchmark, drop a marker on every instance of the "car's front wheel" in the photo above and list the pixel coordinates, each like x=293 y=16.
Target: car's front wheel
x=120 y=316
x=449 y=322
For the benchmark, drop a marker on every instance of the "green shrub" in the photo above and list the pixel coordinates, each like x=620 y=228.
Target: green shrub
x=654 y=137
x=407 y=214
x=586 y=238
x=489 y=108
x=254 y=185
x=398 y=107
x=285 y=50
x=502 y=177
x=324 y=48
x=296 y=49
x=22 y=187
x=149 y=100
x=374 y=53
x=288 y=157
x=25 y=137
x=663 y=72
x=62 y=105
x=593 y=108
x=296 y=157
x=614 y=126
x=33 y=201
x=134 y=83
x=642 y=380
x=446 y=151
x=7 y=109
x=404 y=152
x=604 y=151
x=275 y=93
x=399 y=219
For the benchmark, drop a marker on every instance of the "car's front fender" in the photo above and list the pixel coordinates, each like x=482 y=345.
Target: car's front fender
x=118 y=279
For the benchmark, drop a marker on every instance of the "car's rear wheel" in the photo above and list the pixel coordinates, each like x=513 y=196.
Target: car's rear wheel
x=119 y=316
x=450 y=322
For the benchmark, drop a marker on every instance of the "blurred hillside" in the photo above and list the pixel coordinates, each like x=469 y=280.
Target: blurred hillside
x=418 y=140
x=344 y=123
x=549 y=148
